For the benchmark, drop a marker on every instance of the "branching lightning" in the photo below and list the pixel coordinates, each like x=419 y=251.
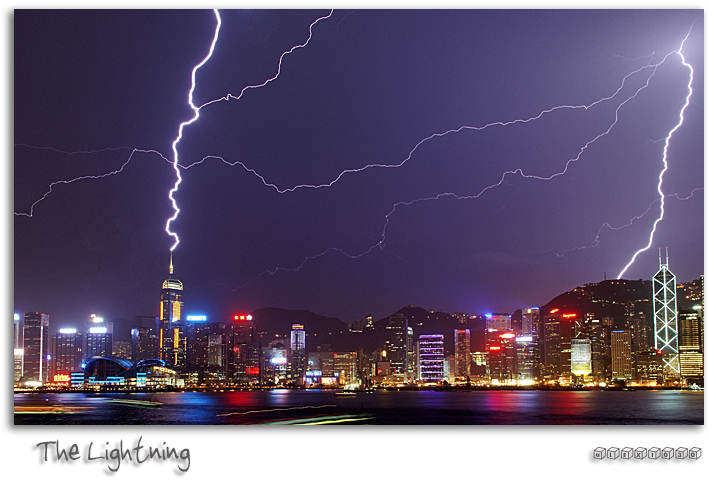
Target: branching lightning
x=653 y=67
x=181 y=130
x=225 y=98
x=664 y=159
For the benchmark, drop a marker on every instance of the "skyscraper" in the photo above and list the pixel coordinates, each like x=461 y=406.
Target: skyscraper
x=530 y=320
x=17 y=363
x=65 y=353
x=298 y=352
x=431 y=353
x=691 y=352
x=621 y=355
x=144 y=338
x=170 y=315
x=666 y=335
x=581 y=356
x=399 y=345
x=36 y=334
x=462 y=353
x=97 y=338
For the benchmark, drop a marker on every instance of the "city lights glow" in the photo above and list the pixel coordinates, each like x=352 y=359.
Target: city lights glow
x=17 y=317
x=68 y=330
x=196 y=318
x=98 y=330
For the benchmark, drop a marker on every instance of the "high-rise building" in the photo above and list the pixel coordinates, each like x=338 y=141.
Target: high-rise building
x=581 y=356
x=551 y=345
x=530 y=321
x=431 y=357
x=500 y=322
x=36 y=335
x=666 y=334
x=145 y=344
x=691 y=350
x=345 y=367
x=463 y=360
x=621 y=355
x=399 y=347
x=298 y=353
x=527 y=358
x=598 y=339
x=97 y=338
x=172 y=343
x=243 y=351
x=649 y=366
x=17 y=357
x=65 y=354
x=503 y=359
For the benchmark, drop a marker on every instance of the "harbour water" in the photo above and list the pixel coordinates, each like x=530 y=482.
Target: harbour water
x=284 y=406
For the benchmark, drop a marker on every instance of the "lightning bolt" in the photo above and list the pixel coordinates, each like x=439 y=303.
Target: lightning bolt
x=380 y=244
x=181 y=131
x=84 y=177
x=517 y=172
x=227 y=97
x=634 y=219
x=664 y=158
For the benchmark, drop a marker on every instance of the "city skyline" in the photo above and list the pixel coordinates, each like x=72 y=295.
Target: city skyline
x=357 y=94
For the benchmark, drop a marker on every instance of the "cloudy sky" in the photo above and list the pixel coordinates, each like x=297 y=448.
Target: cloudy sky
x=473 y=160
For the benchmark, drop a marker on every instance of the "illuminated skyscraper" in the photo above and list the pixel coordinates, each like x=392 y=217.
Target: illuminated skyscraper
x=399 y=347
x=65 y=354
x=243 y=352
x=691 y=352
x=431 y=353
x=462 y=353
x=36 y=335
x=144 y=338
x=298 y=352
x=17 y=330
x=530 y=320
x=171 y=341
x=666 y=335
x=621 y=355
x=581 y=356
x=97 y=338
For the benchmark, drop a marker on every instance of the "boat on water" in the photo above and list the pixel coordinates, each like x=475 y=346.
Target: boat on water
x=137 y=402
x=345 y=393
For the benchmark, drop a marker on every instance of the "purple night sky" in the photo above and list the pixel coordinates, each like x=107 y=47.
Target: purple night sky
x=369 y=89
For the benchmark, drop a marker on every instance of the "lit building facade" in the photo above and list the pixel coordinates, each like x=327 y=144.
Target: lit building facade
x=691 y=348
x=36 y=345
x=399 y=347
x=431 y=357
x=171 y=342
x=243 y=351
x=17 y=343
x=65 y=354
x=463 y=360
x=145 y=343
x=621 y=355
x=298 y=353
x=97 y=338
x=666 y=334
x=530 y=321
x=581 y=357
x=528 y=359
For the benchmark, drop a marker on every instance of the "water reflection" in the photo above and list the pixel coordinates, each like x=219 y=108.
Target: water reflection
x=382 y=407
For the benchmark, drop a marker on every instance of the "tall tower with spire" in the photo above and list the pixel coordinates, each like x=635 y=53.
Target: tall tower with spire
x=666 y=314
x=170 y=314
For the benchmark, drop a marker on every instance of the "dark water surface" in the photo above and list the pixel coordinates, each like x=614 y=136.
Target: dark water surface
x=382 y=407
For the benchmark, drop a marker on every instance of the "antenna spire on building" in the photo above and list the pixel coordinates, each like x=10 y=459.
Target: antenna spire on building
x=171 y=265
